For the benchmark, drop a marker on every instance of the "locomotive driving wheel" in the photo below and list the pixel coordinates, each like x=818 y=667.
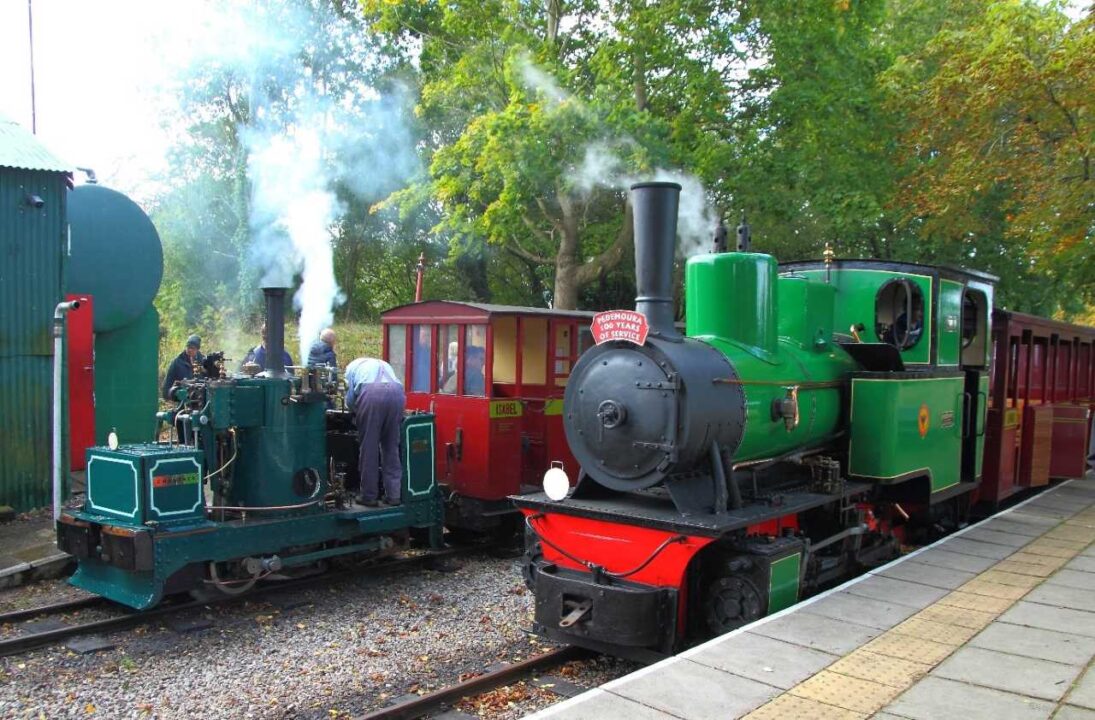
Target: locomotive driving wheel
x=731 y=602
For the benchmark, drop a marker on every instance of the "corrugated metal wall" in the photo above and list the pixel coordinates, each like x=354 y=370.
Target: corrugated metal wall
x=32 y=246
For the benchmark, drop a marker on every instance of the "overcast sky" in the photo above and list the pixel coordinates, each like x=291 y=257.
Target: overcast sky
x=95 y=64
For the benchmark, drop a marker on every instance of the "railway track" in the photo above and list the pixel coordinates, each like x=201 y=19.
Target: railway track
x=130 y=618
x=51 y=609
x=494 y=679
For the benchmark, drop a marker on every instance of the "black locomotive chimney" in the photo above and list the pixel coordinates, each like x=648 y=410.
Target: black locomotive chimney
x=275 y=332
x=654 y=205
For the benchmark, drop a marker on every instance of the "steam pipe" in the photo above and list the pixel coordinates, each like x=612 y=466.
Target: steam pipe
x=655 y=206
x=59 y=313
x=275 y=332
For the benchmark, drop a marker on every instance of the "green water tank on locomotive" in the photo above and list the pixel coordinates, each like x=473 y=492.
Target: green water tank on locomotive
x=777 y=334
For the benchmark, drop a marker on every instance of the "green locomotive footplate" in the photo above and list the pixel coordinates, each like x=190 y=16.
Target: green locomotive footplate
x=905 y=426
x=138 y=567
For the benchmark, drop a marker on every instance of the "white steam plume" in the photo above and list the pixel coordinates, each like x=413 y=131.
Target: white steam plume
x=603 y=166
x=304 y=139
x=293 y=210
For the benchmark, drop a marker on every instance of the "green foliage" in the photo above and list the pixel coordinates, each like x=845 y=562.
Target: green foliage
x=942 y=131
x=1001 y=119
x=519 y=96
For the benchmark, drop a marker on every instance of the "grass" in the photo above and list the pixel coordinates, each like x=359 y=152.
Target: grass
x=354 y=340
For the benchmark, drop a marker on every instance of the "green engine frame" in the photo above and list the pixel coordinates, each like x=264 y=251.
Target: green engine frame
x=144 y=530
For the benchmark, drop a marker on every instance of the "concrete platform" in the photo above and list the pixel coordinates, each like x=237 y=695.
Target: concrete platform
x=996 y=621
x=28 y=551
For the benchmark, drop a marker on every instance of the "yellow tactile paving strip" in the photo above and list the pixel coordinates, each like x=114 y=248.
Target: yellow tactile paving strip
x=867 y=679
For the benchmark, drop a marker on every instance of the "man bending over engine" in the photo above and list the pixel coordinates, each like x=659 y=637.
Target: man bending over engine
x=376 y=396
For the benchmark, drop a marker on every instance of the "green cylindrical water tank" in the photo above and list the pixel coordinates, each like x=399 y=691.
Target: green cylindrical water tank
x=116 y=255
x=732 y=296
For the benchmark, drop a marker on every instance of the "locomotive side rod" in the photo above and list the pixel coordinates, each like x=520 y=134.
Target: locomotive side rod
x=481 y=683
x=23 y=643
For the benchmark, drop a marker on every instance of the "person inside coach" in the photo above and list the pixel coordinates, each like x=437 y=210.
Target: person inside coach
x=182 y=367
x=474 y=381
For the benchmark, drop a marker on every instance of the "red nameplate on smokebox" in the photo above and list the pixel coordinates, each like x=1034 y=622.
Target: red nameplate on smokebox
x=625 y=325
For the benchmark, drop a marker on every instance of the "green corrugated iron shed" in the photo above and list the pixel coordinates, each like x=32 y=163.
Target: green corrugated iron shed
x=32 y=252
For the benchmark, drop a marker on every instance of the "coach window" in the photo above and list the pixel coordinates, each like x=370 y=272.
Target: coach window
x=505 y=356
x=534 y=337
x=397 y=351
x=475 y=344
x=585 y=339
x=899 y=314
x=448 y=349
x=420 y=357
x=563 y=358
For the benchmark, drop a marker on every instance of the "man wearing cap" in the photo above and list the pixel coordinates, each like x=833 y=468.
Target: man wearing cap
x=182 y=367
x=376 y=396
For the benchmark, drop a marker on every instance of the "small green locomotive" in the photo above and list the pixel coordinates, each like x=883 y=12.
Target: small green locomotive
x=256 y=482
x=813 y=417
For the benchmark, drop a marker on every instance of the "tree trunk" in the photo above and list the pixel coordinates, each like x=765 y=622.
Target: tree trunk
x=639 y=70
x=567 y=261
x=554 y=13
x=571 y=274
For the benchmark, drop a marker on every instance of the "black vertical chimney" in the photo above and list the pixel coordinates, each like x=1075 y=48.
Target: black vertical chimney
x=275 y=332
x=654 y=205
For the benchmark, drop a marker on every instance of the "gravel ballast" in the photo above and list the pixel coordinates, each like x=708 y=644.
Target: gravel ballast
x=348 y=648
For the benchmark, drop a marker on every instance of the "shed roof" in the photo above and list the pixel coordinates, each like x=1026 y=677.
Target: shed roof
x=448 y=310
x=19 y=149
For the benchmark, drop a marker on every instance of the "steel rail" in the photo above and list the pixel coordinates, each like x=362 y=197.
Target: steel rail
x=23 y=643
x=473 y=686
x=51 y=609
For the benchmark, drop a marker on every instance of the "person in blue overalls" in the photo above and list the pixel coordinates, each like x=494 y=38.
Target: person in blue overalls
x=377 y=399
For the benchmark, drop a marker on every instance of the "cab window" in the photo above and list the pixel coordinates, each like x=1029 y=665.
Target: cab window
x=899 y=314
x=975 y=330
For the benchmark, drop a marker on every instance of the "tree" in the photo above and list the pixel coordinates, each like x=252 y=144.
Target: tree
x=812 y=140
x=285 y=77
x=1001 y=129
x=540 y=112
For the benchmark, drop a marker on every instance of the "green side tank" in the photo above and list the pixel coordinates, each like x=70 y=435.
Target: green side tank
x=776 y=333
